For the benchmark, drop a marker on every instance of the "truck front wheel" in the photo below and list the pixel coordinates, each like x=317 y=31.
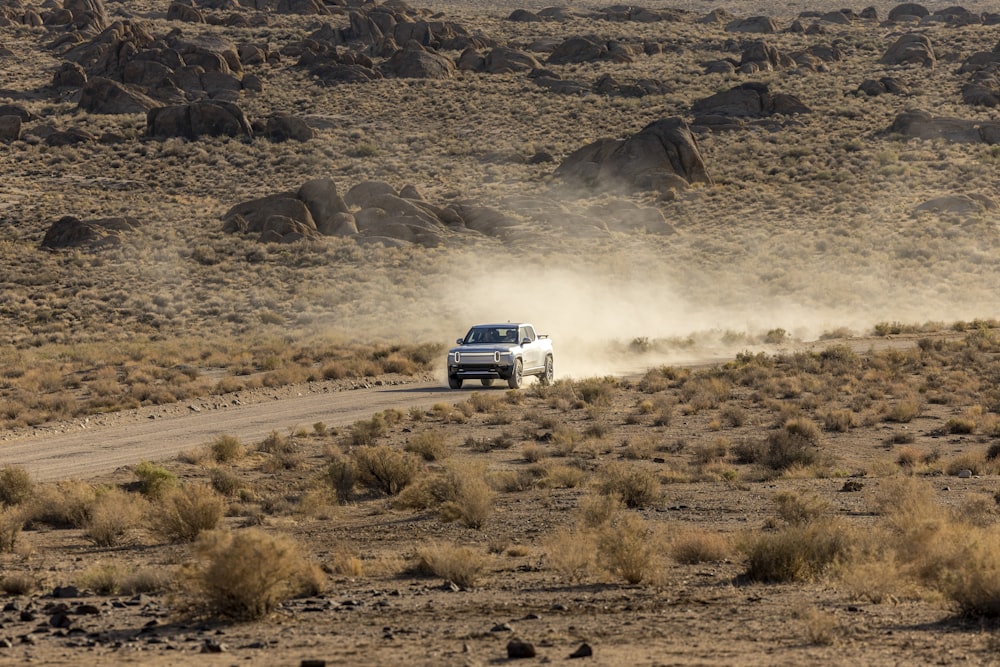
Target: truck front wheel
x=454 y=382
x=516 y=375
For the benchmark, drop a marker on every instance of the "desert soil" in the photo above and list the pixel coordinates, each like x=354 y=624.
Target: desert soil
x=811 y=226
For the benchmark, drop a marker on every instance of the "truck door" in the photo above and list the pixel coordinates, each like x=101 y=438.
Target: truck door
x=532 y=353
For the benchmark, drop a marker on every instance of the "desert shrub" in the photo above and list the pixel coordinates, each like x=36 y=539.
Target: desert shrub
x=596 y=391
x=636 y=485
x=699 y=546
x=19 y=583
x=960 y=425
x=154 y=480
x=795 y=553
x=840 y=421
x=904 y=410
x=558 y=476
x=599 y=509
x=225 y=482
x=430 y=445
x=226 y=449
x=733 y=415
x=245 y=574
x=385 y=469
x=793 y=445
x=820 y=627
x=181 y=514
x=365 y=432
x=101 y=578
x=571 y=553
x=639 y=448
x=473 y=501
x=144 y=580
x=797 y=510
x=629 y=548
x=11 y=524
x=114 y=515
x=486 y=402
x=972 y=461
x=973 y=583
x=65 y=504
x=15 y=485
x=461 y=565
x=341 y=474
x=276 y=444
x=709 y=452
x=531 y=453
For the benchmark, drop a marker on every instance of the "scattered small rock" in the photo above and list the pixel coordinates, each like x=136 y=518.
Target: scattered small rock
x=517 y=649
x=583 y=651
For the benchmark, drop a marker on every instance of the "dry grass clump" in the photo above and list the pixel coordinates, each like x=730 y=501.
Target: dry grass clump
x=385 y=469
x=635 y=485
x=365 y=432
x=341 y=474
x=460 y=493
x=226 y=449
x=101 y=578
x=154 y=480
x=181 y=514
x=65 y=504
x=461 y=565
x=694 y=546
x=16 y=485
x=113 y=518
x=630 y=548
x=572 y=553
x=11 y=524
x=429 y=445
x=245 y=574
x=796 y=553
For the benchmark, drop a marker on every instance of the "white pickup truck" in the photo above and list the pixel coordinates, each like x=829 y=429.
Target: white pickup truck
x=500 y=351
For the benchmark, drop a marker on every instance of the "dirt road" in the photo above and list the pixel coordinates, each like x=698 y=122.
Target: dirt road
x=89 y=447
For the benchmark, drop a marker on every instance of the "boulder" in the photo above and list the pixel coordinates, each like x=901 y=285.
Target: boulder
x=178 y=11
x=252 y=216
x=416 y=62
x=958 y=204
x=365 y=193
x=69 y=75
x=753 y=24
x=752 y=100
x=17 y=110
x=921 y=124
x=10 y=128
x=910 y=49
x=107 y=54
x=283 y=127
x=882 y=86
x=324 y=204
x=588 y=49
x=71 y=232
x=503 y=59
x=87 y=16
x=211 y=118
x=70 y=137
x=524 y=16
x=104 y=96
x=907 y=11
x=662 y=156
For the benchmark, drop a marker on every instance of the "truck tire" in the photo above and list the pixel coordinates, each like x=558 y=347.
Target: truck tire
x=454 y=382
x=487 y=382
x=516 y=375
x=548 y=375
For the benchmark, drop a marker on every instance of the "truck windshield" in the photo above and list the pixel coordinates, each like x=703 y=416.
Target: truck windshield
x=491 y=335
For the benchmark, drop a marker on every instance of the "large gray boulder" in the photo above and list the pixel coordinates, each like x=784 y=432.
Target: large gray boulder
x=663 y=156
x=416 y=62
x=209 y=118
x=910 y=49
x=71 y=232
x=104 y=96
x=749 y=100
x=921 y=124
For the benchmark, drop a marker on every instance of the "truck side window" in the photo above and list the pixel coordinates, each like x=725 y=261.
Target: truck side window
x=529 y=333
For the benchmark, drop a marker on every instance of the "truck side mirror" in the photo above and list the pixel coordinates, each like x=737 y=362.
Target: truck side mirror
x=526 y=341
x=460 y=341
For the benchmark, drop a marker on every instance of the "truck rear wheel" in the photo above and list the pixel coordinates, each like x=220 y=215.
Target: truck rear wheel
x=549 y=374
x=516 y=375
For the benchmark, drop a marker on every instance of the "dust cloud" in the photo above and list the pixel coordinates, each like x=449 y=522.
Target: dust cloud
x=622 y=313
